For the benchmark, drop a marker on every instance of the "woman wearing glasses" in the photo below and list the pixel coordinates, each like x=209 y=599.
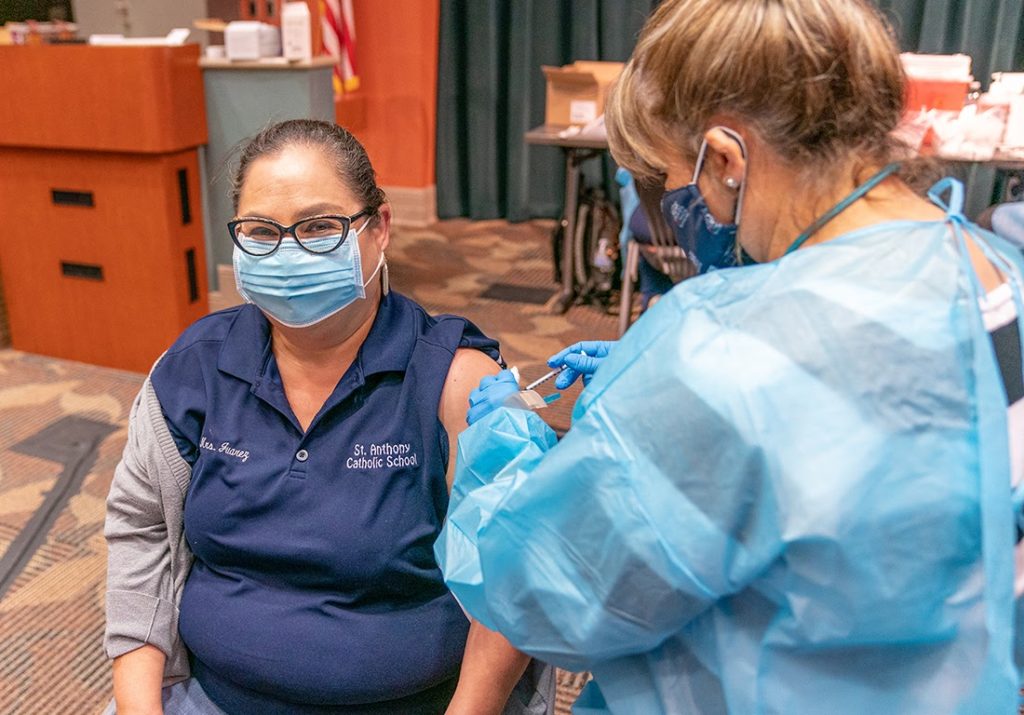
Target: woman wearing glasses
x=287 y=469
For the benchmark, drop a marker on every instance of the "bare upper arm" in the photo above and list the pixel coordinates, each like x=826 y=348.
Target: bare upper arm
x=989 y=275
x=468 y=367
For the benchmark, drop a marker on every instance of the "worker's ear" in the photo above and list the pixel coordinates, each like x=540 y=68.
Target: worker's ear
x=726 y=159
x=723 y=173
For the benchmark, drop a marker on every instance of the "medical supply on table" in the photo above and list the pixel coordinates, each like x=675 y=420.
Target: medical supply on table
x=936 y=81
x=981 y=127
x=975 y=132
x=1007 y=88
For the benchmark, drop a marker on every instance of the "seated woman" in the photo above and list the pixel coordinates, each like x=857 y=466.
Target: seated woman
x=287 y=472
x=635 y=227
x=1008 y=222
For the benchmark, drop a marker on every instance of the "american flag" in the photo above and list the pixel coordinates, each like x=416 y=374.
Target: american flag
x=339 y=37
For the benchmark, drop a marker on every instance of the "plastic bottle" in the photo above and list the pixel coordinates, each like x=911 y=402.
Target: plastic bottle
x=296 y=31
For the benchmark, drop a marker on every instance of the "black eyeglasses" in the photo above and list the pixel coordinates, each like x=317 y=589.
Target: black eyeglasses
x=316 y=234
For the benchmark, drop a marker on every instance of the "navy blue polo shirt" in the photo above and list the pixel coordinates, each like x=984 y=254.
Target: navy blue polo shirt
x=314 y=587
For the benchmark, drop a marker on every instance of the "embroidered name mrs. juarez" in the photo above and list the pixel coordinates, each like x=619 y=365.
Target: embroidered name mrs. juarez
x=224 y=448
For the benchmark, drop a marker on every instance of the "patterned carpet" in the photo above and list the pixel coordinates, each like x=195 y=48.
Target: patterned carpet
x=446 y=269
x=51 y=616
x=63 y=426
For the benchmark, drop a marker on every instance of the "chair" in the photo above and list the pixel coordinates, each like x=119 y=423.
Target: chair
x=663 y=253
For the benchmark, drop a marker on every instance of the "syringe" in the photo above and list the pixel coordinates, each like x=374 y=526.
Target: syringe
x=544 y=378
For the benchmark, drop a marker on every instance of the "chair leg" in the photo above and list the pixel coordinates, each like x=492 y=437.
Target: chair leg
x=629 y=279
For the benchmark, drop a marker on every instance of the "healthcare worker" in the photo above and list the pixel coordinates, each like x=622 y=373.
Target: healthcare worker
x=793 y=486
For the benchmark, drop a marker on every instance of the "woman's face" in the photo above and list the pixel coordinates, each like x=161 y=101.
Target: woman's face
x=298 y=182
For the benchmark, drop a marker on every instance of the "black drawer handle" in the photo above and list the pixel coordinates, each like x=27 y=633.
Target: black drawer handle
x=63 y=197
x=81 y=270
x=186 y=207
x=193 y=279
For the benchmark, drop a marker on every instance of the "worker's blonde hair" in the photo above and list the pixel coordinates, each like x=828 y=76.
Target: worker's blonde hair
x=819 y=81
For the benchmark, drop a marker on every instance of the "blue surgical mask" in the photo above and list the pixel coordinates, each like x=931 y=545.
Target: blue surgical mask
x=298 y=288
x=708 y=243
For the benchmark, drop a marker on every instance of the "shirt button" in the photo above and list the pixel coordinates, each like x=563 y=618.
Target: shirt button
x=302 y=455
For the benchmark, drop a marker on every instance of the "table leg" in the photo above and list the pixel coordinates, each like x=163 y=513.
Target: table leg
x=572 y=187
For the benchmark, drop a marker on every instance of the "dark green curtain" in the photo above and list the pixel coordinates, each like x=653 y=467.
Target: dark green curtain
x=21 y=10
x=491 y=91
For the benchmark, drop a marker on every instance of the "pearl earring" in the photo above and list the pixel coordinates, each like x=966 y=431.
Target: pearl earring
x=731 y=182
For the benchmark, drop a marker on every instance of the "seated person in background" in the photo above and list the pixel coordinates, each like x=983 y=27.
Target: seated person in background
x=653 y=283
x=1008 y=222
x=301 y=447
x=635 y=227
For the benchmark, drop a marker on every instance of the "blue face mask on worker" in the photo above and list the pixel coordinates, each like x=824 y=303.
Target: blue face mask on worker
x=298 y=288
x=709 y=244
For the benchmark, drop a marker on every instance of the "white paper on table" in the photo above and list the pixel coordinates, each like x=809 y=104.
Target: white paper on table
x=595 y=129
x=175 y=37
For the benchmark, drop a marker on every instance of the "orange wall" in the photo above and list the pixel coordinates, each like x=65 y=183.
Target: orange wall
x=396 y=52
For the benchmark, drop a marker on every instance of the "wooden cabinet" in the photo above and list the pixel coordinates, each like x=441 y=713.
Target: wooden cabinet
x=131 y=99
x=103 y=257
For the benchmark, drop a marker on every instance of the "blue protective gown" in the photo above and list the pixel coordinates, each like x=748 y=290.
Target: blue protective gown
x=787 y=490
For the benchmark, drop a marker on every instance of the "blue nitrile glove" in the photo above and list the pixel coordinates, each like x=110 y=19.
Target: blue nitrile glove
x=491 y=394
x=580 y=358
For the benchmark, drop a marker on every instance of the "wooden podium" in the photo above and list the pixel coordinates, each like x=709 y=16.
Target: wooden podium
x=103 y=258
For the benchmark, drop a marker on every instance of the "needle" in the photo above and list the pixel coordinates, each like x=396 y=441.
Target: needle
x=544 y=378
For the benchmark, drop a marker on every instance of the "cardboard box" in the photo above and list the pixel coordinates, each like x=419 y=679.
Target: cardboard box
x=576 y=92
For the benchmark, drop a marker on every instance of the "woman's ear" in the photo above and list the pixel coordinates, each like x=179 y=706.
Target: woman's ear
x=726 y=158
x=382 y=229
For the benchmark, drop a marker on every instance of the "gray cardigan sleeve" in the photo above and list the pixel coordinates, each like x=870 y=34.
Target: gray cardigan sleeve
x=148 y=558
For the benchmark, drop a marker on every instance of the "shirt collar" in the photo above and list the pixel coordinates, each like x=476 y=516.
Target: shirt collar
x=388 y=346
x=246 y=347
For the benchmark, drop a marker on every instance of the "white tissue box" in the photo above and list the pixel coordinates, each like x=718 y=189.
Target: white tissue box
x=248 y=40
